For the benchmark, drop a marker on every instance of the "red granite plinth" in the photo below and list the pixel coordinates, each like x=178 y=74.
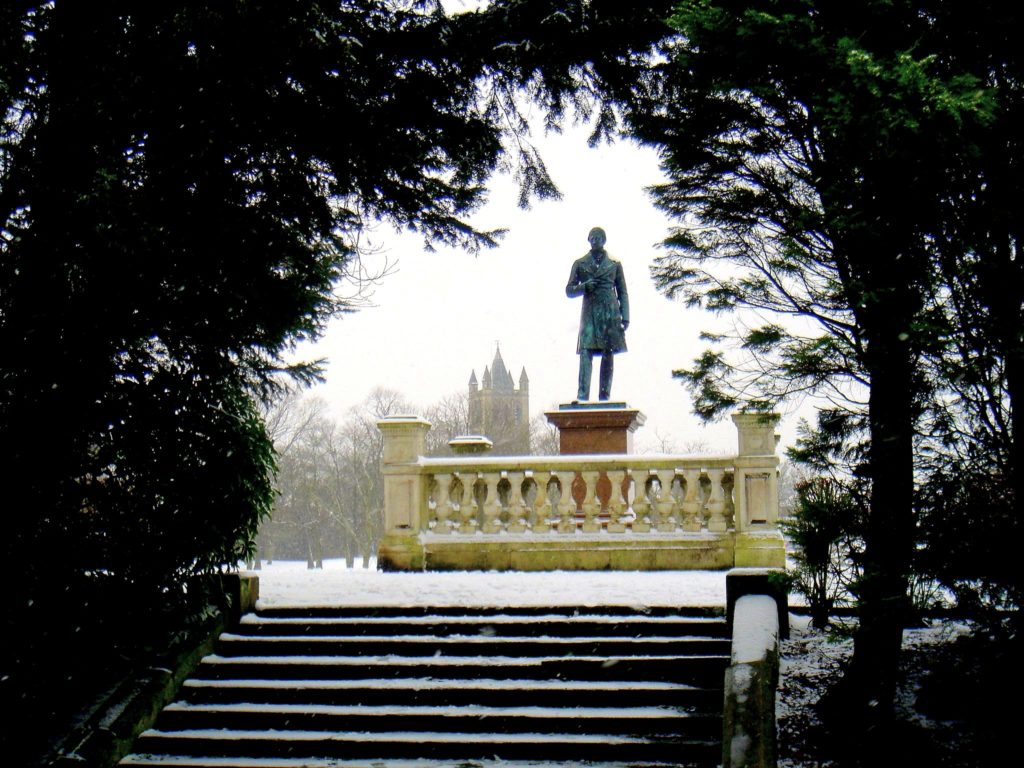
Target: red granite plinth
x=585 y=428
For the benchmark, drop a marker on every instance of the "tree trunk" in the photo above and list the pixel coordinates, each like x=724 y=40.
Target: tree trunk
x=821 y=605
x=1015 y=376
x=349 y=551
x=820 y=615
x=1014 y=362
x=868 y=688
x=318 y=549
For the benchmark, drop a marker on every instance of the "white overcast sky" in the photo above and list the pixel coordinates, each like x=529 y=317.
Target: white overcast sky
x=438 y=315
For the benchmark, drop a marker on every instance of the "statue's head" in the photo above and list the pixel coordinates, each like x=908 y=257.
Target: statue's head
x=597 y=238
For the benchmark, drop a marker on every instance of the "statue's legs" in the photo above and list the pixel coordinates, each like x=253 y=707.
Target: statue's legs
x=586 y=366
x=586 y=369
x=607 y=369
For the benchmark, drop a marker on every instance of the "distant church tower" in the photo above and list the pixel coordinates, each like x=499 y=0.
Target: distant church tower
x=500 y=411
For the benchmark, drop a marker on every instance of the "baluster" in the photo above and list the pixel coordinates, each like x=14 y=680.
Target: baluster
x=591 y=504
x=729 y=488
x=716 y=502
x=431 y=481
x=629 y=496
x=542 y=504
x=620 y=508
x=492 y=504
x=467 y=504
x=566 y=503
x=442 y=506
x=615 y=508
x=666 y=502
x=691 y=501
x=642 y=506
x=516 y=503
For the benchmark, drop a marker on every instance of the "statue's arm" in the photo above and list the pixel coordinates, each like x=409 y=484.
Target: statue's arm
x=574 y=287
x=620 y=288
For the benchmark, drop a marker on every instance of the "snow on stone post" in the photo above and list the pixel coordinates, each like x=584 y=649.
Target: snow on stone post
x=405 y=493
x=756 y=492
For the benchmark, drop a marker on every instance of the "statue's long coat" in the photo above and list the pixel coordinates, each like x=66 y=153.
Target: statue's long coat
x=605 y=304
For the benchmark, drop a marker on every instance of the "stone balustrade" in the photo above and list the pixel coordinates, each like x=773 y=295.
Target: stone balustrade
x=615 y=511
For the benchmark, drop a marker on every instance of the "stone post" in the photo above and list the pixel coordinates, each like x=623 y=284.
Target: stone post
x=405 y=493
x=749 y=730
x=759 y=542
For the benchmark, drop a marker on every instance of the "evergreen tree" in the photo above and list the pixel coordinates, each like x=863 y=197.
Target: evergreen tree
x=973 y=466
x=182 y=186
x=824 y=528
x=812 y=145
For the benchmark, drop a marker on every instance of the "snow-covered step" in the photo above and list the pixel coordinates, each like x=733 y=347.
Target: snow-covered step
x=571 y=616
x=634 y=721
x=494 y=624
x=418 y=744
x=441 y=692
x=469 y=645
x=701 y=669
x=186 y=761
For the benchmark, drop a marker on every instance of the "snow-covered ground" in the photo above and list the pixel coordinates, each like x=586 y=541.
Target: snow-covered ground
x=290 y=583
x=812 y=659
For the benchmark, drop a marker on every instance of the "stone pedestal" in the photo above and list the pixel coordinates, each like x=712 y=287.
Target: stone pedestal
x=470 y=445
x=592 y=428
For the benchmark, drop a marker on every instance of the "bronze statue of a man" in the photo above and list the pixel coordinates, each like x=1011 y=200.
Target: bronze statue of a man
x=605 y=316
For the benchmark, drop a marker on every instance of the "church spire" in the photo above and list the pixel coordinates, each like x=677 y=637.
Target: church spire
x=501 y=378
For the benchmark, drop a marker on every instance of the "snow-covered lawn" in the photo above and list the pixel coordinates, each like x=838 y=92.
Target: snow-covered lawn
x=290 y=583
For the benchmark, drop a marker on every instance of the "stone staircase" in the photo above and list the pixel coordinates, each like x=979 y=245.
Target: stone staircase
x=393 y=687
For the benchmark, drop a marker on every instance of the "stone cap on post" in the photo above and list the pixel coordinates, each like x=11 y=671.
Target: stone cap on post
x=468 y=445
x=772 y=582
x=405 y=438
x=756 y=433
